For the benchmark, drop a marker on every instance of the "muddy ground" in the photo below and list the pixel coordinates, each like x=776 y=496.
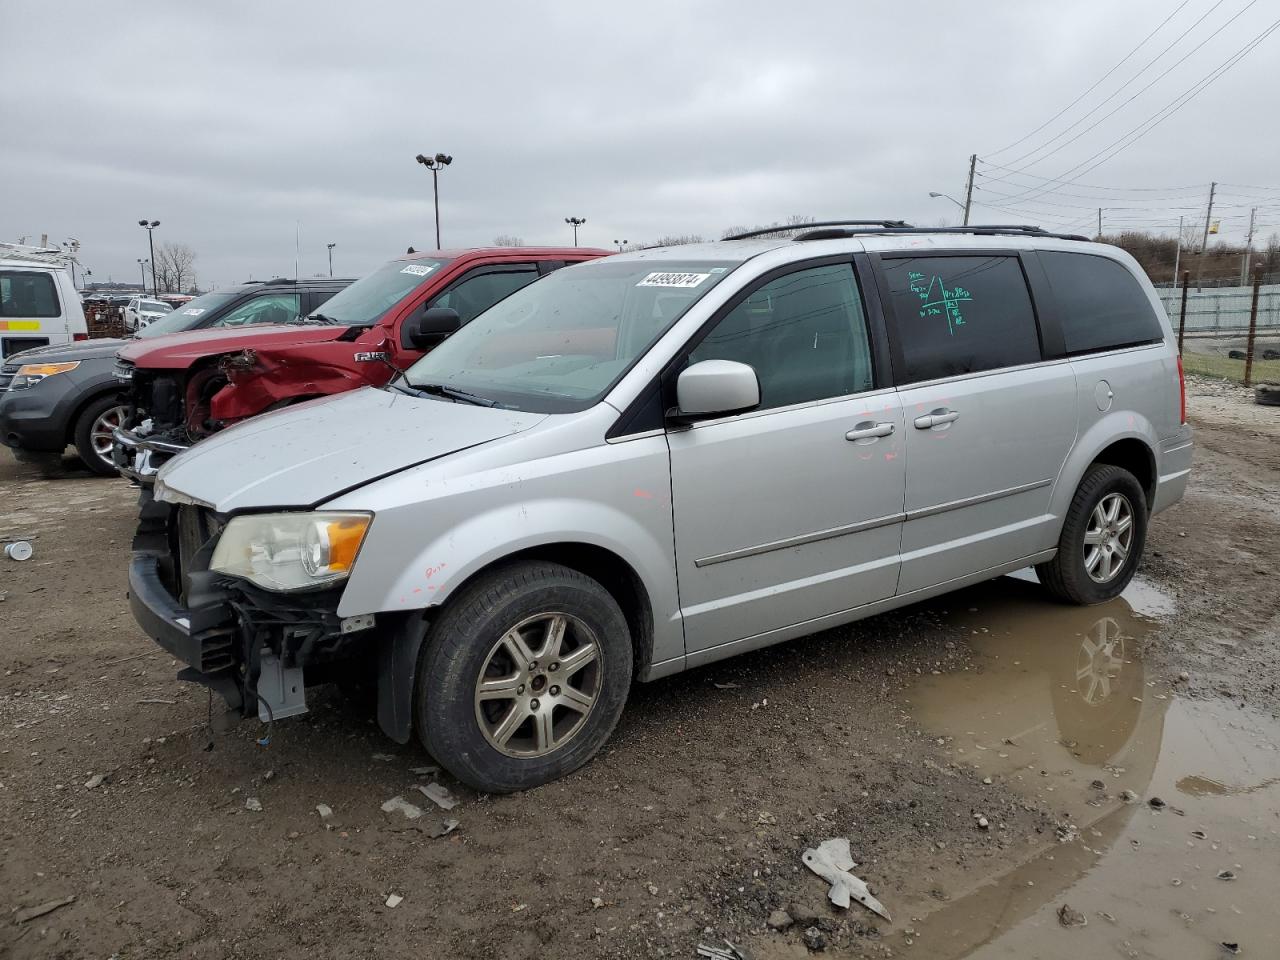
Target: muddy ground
x=897 y=733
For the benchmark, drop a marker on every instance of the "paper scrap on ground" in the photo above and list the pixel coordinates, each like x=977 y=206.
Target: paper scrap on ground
x=439 y=795
x=832 y=861
x=400 y=805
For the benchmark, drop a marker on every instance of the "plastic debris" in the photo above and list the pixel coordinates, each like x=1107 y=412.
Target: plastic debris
x=1226 y=875
x=439 y=795
x=18 y=550
x=394 y=900
x=832 y=861
x=254 y=804
x=324 y=810
x=31 y=913
x=424 y=771
x=728 y=952
x=400 y=805
x=1071 y=918
x=1231 y=948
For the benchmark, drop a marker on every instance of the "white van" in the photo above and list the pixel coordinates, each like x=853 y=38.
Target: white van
x=39 y=305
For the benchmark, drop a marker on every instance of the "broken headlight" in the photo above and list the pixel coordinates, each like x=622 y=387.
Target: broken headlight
x=291 y=551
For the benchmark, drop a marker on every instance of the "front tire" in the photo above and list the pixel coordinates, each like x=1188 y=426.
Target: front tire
x=1102 y=538
x=92 y=434
x=523 y=677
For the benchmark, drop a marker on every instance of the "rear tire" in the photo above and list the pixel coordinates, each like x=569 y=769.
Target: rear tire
x=92 y=434
x=523 y=676
x=1102 y=538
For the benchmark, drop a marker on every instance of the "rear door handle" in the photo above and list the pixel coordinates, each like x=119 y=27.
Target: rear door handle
x=936 y=418
x=869 y=431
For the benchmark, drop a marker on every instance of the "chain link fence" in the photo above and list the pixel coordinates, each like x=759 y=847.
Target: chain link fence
x=1217 y=327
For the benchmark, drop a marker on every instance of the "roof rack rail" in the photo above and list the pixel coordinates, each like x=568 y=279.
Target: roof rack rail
x=765 y=231
x=983 y=230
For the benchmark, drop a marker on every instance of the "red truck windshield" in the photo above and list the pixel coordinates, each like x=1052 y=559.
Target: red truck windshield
x=367 y=300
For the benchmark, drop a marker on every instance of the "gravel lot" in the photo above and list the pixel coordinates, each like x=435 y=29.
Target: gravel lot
x=897 y=733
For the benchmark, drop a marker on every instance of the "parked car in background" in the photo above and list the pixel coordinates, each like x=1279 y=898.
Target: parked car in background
x=185 y=388
x=660 y=459
x=62 y=395
x=142 y=312
x=38 y=302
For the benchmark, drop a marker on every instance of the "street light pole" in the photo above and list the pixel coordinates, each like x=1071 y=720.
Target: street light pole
x=620 y=243
x=142 y=270
x=575 y=222
x=150 y=225
x=946 y=196
x=435 y=165
x=331 y=246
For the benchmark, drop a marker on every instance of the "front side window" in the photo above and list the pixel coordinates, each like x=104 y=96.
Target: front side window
x=191 y=315
x=479 y=291
x=558 y=345
x=1101 y=305
x=370 y=298
x=804 y=334
x=27 y=294
x=273 y=308
x=954 y=315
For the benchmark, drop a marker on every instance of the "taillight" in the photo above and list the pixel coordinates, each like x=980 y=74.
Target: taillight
x=1182 y=392
x=77 y=337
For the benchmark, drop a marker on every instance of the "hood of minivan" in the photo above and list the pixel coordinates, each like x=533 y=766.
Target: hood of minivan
x=63 y=352
x=177 y=351
x=304 y=455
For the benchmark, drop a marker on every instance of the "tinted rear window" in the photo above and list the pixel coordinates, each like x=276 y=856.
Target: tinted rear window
x=1101 y=305
x=27 y=294
x=959 y=314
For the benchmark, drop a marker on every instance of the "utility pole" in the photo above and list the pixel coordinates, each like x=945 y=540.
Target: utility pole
x=575 y=222
x=1177 y=252
x=1248 y=249
x=968 y=190
x=1204 y=242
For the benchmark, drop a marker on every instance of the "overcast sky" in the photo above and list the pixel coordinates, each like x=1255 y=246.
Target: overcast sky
x=232 y=122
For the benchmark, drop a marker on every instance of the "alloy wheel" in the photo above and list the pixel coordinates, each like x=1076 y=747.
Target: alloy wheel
x=1109 y=538
x=101 y=434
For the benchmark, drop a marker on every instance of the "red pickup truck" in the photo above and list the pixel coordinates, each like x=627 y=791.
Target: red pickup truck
x=183 y=387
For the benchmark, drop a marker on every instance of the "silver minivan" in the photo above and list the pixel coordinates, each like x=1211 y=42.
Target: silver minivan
x=656 y=460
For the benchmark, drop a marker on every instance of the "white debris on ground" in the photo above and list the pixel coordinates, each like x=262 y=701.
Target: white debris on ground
x=832 y=861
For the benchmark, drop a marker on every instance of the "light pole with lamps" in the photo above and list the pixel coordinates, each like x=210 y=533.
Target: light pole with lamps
x=142 y=270
x=435 y=165
x=150 y=225
x=331 y=246
x=575 y=222
x=944 y=196
x=620 y=243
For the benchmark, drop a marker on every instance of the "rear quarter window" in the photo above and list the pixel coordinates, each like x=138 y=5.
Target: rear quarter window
x=1101 y=305
x=954 y=315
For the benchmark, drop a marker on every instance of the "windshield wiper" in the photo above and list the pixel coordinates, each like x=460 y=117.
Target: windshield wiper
x=319 y=318
x=453 y=393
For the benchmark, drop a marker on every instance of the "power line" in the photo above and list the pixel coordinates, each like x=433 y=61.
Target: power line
x=1112 y=113
x=1096 y=83
x=1092 y=186
x=1163 y=114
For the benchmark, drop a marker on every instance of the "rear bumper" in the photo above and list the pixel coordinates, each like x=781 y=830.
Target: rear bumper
x=140 y=458
x=1175 y=469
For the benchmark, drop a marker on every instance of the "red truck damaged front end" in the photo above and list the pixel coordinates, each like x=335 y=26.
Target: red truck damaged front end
x=187 y=386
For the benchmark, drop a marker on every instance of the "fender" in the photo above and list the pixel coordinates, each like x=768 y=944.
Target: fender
x=269 y=383
x=1108 y=430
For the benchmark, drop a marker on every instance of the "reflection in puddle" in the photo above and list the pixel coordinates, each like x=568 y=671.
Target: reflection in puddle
x=1058 y=709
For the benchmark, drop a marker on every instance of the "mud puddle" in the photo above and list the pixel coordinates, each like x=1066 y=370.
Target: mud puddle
x=1059 y=709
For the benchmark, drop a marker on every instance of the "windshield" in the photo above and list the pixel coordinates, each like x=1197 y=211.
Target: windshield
x=155 y=306
x=366 y=301
x=559 y=344
x=189 y=316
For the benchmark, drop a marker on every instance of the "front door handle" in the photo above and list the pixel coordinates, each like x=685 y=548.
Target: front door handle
x=869 y=431
x=936 y=418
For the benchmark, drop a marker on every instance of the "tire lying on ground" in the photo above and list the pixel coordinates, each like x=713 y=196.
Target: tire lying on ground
x=1267 y=394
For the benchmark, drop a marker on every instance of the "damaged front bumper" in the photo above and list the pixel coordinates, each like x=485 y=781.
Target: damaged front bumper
x=139 y=456
x=249 y=645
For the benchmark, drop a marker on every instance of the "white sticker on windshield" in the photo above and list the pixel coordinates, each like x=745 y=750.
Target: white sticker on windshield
x=193 y=311
x=419 y=269
x=673 y=279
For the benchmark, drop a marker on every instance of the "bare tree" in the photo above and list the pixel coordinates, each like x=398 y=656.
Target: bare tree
x=776 y=230
x=508 y=240
x=674 y=240
x=175 y=267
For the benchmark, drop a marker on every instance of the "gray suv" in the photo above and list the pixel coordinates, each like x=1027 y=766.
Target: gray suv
x=657 y=460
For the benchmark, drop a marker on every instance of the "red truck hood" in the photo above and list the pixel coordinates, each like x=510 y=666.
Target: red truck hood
x=177 y=351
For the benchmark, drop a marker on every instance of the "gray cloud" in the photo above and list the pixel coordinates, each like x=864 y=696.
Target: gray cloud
x=232 y=122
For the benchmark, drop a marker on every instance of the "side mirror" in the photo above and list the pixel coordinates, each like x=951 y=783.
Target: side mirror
x=715 y=387
x=430 y=327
